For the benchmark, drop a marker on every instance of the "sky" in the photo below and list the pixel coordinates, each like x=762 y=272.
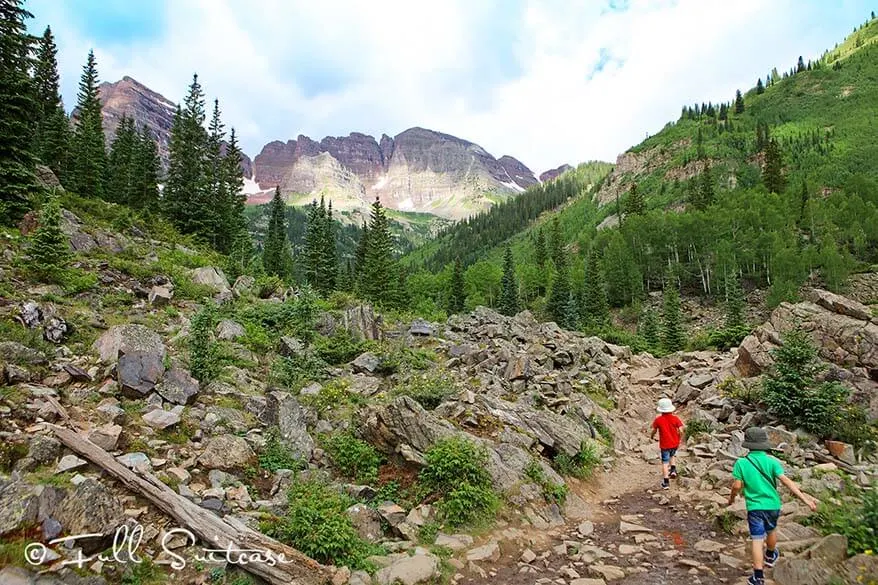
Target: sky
x=545 y=81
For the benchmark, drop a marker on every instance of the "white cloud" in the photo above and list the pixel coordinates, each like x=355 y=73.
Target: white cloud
x=516 y=79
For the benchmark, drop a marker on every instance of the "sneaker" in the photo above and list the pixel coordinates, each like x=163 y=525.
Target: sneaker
x=666 y=485
x=754 y=580
x=673 y=473
x=771 y=557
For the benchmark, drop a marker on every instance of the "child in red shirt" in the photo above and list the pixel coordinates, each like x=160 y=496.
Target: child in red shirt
x=670 y=430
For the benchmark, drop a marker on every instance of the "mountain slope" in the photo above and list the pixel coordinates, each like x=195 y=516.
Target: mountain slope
x=418 y=170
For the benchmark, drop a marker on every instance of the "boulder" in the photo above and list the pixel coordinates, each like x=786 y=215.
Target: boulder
x=283 y=411
x=841 y=305
x=30 y=315
x=138 y=372
x=366 y=363
x=123 y=339
x=487 y=552
x=402 y=426
x=55 y=329
x=178 y=386
x=243 y=286
x=160 y=296
x=229 y=330
x=106 y=437
x=90 y=508
x=211 y=276
x=226 y=452
x=161 y=419
x=422 y=328
x=19 y=506
x=290 y=346
x=17 y=353
x=753 y=357
x=842 y=451
x=367 y=521
x=363 y=323
x=420 y=568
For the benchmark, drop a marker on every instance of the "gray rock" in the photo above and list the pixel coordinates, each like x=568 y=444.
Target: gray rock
x=211 y=276
x=487 y=552
x=17 y=576
x=178 y=386
x=30 y=315
x=243 y=286
x=161 y=419
x=69 y=463
x=16 y=374
x=229 y=330
x=106 y=437
x=283 y=410
x=700 y=380
x=422 y=328
x=160 y=296
x=367 y=521
x=19 y=506
x=455 y=542
x=90 y=508
x=366 y=363
x=138 y=372
x=290 y=346
x=135 y=461
x=410 y=570
x=17 y=353
x=123 y=339
x=393 y=514
x=226 y=452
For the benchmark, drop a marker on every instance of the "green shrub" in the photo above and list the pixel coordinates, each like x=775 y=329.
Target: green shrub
x=737 y=390
x=429 y=390
x=339 y=348
x=296 y=316
x=294 y=372
x=75 y=281
x=203 y=359
x=856 y=518
x=603 y=431
x=792 y=393
x=618 y=336
x=728 y=337
x=268 y=285
x=456 y=471
x=354 y=458
x=50 y=247
x=333 y=395
x=725 y=521
x=553 y=493
x=256 y=338
x=10 y=452
x=696 y=427
x=580 y=465
x=316 y=523
x=276 y=455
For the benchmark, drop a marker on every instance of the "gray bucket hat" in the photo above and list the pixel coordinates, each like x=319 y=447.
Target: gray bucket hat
x=756 y=439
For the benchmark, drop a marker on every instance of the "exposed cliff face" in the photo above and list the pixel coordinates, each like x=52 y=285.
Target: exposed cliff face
x=555 y=173
x=418 y=170
x=128 y=97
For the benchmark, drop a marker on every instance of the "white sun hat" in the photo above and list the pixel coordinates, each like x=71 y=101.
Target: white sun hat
x=665 y=405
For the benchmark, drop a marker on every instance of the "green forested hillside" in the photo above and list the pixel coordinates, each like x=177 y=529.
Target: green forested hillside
x=765 y=191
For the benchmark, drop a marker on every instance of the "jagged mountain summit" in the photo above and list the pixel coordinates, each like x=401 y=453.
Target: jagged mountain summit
x=417 y=170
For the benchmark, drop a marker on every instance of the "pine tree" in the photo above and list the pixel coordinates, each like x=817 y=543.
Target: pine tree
x=739 y=102
x=379 y=279
x=146 y=167
x=556 y=244
x=50 y=247
x=772 y=172
x=705 y=188
x=241 y=245
x=673 y=336
x=120 y=164
x=734 y=304
x=321 y=266
x=275 y=254
x=596 y=308
x=360 y=254
x=328 y=254
x=509 y=292
x=215 y=226
x=89 y=154
x=540 y=253
x=17 y=106
x=52 y=136
x=457 y=289
x=648 y=328
x=804 y=197
x=699 y=144
x=202 y=351
x=635 y=205
x=760 y=89
x=560 y=305
x=800 y=66
x=186 y=198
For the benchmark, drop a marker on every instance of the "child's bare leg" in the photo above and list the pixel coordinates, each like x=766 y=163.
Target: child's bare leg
x=771 y=540
x=665 y=470
x=758 y=554
x=673 y=460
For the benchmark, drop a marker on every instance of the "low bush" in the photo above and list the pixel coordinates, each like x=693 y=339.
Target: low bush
x=294 y=372
x=203 y=357
x=856 y=518
x=456 y=472
x=554 y=493
x=339 y=348
x=429 y=390
x=332 y=395
x=695 y=427
x=737 y=390
x=728 y=337
x=355 y=459
x=317 y=524
x=581 y=465
x=276 y=455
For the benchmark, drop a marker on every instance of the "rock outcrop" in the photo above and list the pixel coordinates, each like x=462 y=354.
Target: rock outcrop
x=553 y=174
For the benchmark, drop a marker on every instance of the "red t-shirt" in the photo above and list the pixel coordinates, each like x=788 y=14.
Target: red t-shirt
x=667 y=425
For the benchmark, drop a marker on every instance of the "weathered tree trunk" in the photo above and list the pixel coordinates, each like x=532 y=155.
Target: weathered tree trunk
x=291 y=568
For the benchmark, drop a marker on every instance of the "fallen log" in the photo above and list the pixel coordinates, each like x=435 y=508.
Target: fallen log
x=291 y=567
x=830 y=459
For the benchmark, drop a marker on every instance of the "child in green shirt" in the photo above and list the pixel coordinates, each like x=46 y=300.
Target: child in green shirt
x=756 y=476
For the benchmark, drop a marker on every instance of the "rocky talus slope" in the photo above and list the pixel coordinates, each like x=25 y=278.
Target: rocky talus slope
x=529 y=393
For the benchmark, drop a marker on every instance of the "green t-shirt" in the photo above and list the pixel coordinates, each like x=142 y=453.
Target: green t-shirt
x=759 y=493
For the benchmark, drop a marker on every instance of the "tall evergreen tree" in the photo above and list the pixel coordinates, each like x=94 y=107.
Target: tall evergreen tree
x=17 y=106
x=648 y=328
x=380 y=278
x=800 y=66
x=705 y=188
x=328 y=254
x=760 y=89
x=186 y=199
x=673 y=336
x=561 y=305
x=635 y=205
x=540 y=253
x=556 y=244
x=238 y=237
x=509 y=291
x=121 y=180
x=457 y=289
x=772 y=172
x=89 y=153
x=739 y=102
x=312 y=243
x=804 y=197
x=146 y=167
x=596 y=308
x=275 y=254
x=321 y=266
x=52 y=134
x=735 y=303
x=50 y=248
x=360 y=254
x=215 y=227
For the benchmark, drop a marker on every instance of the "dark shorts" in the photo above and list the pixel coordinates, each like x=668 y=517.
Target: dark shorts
x=667 y=454
x=761 y=522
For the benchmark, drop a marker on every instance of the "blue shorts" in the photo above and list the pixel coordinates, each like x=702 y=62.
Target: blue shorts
x=761 y=522
x=667 y=454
